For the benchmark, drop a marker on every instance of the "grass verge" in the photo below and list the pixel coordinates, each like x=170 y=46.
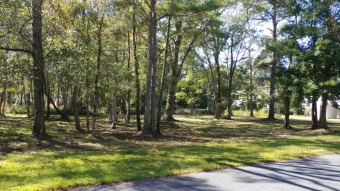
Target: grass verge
x=191 y=144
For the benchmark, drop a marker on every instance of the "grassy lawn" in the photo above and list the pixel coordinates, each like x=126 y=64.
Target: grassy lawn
x=191 y=144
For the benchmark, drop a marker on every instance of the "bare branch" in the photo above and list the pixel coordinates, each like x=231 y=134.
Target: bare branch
x=16 y=49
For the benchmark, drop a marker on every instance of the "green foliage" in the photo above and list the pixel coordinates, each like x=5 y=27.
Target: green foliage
x=16 y=109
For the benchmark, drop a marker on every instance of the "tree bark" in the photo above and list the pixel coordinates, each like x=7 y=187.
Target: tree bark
x=96 y=91
x=314 y=113
x=169 y=110
x=218 y=112
x=75 y=108
x=161 y=88
x=114 y=106
x=230 y=80
x=39 y=129
x=274 y=64
x=251 y=95
x=28 y=104
x=323 y=111
x=3 y=100
x=286 y=123
x=192 y=107
x=87 y=113
x=137 y=84
x=149 y=125
x=128 y=99
x=65 y=101
x=55 y=106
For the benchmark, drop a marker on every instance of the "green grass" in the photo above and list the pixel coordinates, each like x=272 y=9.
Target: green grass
x=192 y=144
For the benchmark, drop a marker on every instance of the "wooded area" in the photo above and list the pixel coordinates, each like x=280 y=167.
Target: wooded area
x=122 y=90
x=150 y=58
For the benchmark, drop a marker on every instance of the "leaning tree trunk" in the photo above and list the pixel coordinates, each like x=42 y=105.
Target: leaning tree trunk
x=323 y=117
x=39 y=130
x=170 y=102
x=161 y=88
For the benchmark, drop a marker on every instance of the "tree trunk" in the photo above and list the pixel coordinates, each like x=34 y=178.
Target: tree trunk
x=286 y=123
x=192 y=102
x=23 y=91
x=208 y=103
x=128 y=108
x=3 y=100
x=148 y=127
x=128 y=99
x=87 y=113
x=251 y=108
x=75 y=108
x=47 y=91
x=170 y=102
x=55 y=107
x=218 y=112
x=323 y=112
x=96 y=91
x=123 y=107
x=230 y=81
x=39 y=129
x=48 y=101
x=274 y=64
x=65 y=101
x=161 y=88
x=10 y=98
x=314 y=113
x=58 y=93
x=109 y=109
x=137 y=84
x=114 y=107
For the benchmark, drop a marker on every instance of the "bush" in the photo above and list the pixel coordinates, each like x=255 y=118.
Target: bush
x=17 y=109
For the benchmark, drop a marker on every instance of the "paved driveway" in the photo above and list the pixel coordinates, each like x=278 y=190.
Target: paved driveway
x=319 y=173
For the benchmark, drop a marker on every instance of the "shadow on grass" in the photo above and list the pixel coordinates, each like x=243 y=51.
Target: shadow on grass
x=16 y=133
x=102 y=167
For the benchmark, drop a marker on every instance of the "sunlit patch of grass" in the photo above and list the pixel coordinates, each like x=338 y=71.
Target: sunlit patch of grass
x=191 y=144
x=55 y=170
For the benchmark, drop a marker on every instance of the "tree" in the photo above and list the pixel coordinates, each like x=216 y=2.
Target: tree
x=272 y=10
x=216 y=43
x=39 y=128
x=136 y=68
x=187 y=30
x=316 y=26
x=150 y=102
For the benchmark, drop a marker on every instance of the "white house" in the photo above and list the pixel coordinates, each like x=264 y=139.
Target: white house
x=331 y=112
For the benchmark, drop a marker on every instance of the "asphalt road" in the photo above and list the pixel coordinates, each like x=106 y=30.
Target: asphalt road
x=319 y=173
